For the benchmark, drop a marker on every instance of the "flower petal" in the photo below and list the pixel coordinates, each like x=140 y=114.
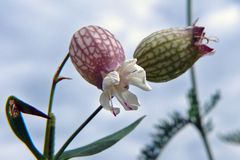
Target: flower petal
x=115 y=111
x=127 y=67
x=128 y=100
x=138 y=78
x=204 y=49
x=110 y=80
x=106 y=103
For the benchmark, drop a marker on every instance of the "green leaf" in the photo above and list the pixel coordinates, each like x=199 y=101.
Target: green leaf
x=211 y=104
x=166 y=130
x=233 y=137
x=193 y=111
x=14 y=109
x=101 y=144
x=208 y=126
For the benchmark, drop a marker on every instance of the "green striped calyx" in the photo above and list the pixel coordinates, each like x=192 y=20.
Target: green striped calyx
x=168 y=53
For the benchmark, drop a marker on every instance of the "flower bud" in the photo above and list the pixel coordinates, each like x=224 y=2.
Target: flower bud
x=95 y=52
x=168 y=53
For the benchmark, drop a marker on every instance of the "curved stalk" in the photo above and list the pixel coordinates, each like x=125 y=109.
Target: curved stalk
x=206 y=144
x=76 y=132
x=49 y=137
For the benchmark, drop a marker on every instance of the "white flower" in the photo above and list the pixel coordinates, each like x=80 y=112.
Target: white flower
x=116 y=84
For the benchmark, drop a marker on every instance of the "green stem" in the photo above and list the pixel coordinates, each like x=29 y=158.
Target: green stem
x=76 y=132
x=49 y=137
x=52 y=134
x=206 y=144
x=55 y=81
x=189 y=22
x=198 y=122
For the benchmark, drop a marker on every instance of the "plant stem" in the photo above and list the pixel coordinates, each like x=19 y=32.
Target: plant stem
x=198 y=122
x=189 y=22
x=206 y=144
x=55 y=81
x=49 y=137
x=76 y=132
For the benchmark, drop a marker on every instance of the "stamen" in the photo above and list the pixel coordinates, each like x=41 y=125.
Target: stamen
x=213 y=39
x=205 y=38
x=208 y=39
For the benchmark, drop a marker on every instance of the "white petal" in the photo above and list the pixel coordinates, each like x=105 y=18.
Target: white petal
x=127 y=67
x=128 y=100
x=110 y=80
x=115 y=111
x=105 y=101
x=129 y=62
x=138 y=78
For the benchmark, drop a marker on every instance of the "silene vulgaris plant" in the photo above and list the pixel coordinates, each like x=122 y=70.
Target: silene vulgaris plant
x=99 y=58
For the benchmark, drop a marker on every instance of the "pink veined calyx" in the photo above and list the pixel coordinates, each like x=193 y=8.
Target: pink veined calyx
x=99 y=57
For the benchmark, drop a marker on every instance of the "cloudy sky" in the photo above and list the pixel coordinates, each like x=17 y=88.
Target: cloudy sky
x=35 y=36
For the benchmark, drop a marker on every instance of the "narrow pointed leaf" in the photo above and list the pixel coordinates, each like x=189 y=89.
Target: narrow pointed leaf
x=212 y=103
x=14 y=109
x=26 y=108
x=208 y=126
x=101 y=144
x=233 y=137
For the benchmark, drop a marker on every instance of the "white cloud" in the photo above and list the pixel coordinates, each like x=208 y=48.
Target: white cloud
x=42 y=8
x=233 y=87
x=225 y=19
x=114 y=23
x=142 y=8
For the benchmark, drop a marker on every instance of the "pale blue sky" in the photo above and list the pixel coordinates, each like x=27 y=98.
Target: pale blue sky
x=35 y=36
